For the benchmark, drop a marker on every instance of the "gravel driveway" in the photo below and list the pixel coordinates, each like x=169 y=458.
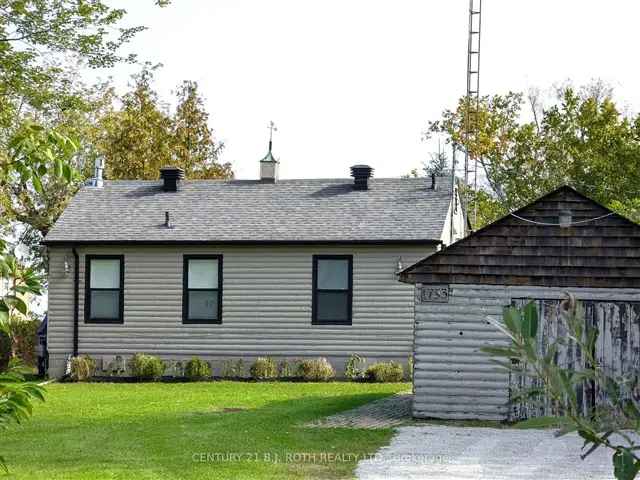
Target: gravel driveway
x=451 y=453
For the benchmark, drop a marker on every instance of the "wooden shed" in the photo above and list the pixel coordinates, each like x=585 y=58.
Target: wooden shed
x=562 y=242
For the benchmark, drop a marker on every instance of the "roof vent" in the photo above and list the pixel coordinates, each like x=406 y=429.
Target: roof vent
x=361 y=175
x=171 y=177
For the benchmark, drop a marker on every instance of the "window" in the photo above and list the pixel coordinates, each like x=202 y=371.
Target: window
x=202 y=292
x=332 y=289
x=104 y=292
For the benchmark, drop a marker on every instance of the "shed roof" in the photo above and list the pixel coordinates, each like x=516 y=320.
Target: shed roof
x=529 y=247
x=244 y=211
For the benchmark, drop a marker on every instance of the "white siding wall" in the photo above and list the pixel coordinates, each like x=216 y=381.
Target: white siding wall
x=452 y=378
x=266 y=306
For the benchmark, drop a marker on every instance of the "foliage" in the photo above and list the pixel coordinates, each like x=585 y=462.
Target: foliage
x=438 y=165
x=143 y=136
x=604 y=425
x=384 y=372
x=83 y=368
x=197 y=369
x=193 y=146
x=16 y=399
x=41 y=39
x=25 y=338
x=147 y=367
x=24 y=283
x=285 y=370
x=144 y=429
x=410 y=368
x=582 y=139
x=316 y=370
x=232 y=369
x=263 y=368
x=354 y=368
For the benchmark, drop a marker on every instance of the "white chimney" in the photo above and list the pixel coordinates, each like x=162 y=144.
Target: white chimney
x=97 y=180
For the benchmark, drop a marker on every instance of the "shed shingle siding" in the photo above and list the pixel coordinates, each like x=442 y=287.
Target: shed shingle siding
x=599 y=253
x=266 y=305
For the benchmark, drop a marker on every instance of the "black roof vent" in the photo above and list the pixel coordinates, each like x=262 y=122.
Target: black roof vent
x=171 y=177
x=361 y=175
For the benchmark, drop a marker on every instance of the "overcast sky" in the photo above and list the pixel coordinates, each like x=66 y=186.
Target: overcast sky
x=354 y=81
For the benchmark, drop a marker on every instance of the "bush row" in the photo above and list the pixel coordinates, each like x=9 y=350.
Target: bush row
x=151 y=368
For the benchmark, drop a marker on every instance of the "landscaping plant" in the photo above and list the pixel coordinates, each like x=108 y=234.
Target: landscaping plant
x=354 y=368
x=605 y=425
x=316 y=370
x=284 y=369
x=147 y=367
x=263 y=368
x=197 y=369
x=384 y=372
x=83 y=368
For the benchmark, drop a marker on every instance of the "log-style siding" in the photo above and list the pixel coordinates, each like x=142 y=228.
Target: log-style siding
x=453 y=379
x=266 y=305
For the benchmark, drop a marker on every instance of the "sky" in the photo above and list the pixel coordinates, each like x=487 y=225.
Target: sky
x=356 y=81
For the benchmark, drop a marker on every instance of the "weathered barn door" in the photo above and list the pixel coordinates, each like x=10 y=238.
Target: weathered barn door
x=617 y=350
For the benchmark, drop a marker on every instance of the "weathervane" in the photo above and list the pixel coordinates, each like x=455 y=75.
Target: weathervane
x=271 y=127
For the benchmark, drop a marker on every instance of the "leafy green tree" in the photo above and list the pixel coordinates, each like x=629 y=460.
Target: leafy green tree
x=142 y=136
x=136 y=140
x=194 y=147
x=37 y=180
x=38 y=40
x=582 y=139
x=605 y=425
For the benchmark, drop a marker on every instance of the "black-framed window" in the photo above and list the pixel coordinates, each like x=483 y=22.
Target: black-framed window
x=332 y=289
x=104 y=289
x=202 y=289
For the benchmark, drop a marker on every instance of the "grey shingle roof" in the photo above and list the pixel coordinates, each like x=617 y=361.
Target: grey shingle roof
x=246 y=211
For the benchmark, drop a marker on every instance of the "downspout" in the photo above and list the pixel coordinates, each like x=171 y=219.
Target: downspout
x=76 y=299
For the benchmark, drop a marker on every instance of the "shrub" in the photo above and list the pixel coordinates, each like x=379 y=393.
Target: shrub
x=384 y=372
x=232 y=369
x=263 y=368
x=316 y=370
x=23 y=343
x=285 y=370
x=354 y=368
x=197 y=369
x=82 y=368
x=147 y=367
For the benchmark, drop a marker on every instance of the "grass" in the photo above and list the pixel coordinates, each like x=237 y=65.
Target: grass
x=220 y=430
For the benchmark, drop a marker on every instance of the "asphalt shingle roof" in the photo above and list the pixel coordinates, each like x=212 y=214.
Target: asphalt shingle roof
x=246 y=211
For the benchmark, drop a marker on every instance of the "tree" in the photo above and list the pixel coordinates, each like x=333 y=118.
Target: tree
x=38 y=39
x=606 y=425
x=142 y=136
x=136 y=140
x=581 y=139
x=33 y=154
x=194 y=147
x=36 y=181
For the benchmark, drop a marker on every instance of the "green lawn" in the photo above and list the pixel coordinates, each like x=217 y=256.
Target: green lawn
x=182 y=431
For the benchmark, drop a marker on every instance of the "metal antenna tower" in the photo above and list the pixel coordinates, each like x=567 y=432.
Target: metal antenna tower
x=473 y=94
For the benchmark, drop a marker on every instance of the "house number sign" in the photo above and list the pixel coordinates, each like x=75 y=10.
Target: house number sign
x=433 y=294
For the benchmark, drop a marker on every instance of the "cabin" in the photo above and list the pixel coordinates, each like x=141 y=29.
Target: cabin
x=231 y=270
x=562 y=242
